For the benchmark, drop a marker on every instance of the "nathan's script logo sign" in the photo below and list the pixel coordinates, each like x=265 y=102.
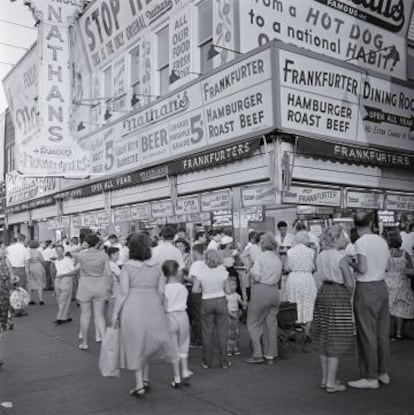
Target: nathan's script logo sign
x=376 y=115
x=388 y=14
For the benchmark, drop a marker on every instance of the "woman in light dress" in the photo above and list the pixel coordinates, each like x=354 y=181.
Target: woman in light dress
x=144 y=332
x=35 y=271
x=300 y=284
x=401 y=296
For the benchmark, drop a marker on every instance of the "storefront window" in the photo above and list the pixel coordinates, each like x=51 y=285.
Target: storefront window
x=163 y=60
x=205 y=34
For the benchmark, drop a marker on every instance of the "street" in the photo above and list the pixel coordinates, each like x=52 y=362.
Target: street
x=45 y=374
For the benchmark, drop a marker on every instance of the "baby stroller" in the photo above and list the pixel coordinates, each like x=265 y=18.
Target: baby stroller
x=286 y=319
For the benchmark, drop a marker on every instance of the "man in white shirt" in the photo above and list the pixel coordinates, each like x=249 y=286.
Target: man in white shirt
x=65 y=271
x=372 y=315
x=166 y=250
x=216 y=236
x=17 y=254
x=283 y=238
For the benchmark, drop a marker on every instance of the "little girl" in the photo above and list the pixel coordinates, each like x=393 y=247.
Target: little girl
x=175 y=305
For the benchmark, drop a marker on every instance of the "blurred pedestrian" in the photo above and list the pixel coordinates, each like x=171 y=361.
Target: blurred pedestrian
x=35 y=272
x=93 y=289
x=371 y=306
x=212 y=282
x=17 y=254
x=175 y=305
x=300 y=284
x=264 y=302
x=144 y=332
x=401 y=296
x=332 y=327
x=234 y=301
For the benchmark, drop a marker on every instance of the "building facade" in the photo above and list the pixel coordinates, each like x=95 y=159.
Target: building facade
x=195 y=116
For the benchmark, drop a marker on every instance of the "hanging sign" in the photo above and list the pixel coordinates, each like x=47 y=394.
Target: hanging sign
x=90 y=219
x=399 y=202
x=103 y=217
x=162 y=209
x=262 y=194
x=54 y=151
x=122 y=214
x=361 y=199
x=370 y=35
x=186 y=205
x=317 y=196
x=141 y=211
x=214 y=201
x=222 y=218
x=77 y=221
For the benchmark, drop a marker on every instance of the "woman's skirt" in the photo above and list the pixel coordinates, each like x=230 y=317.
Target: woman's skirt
x=144 y=331
x=332 y=326
x=37 y=276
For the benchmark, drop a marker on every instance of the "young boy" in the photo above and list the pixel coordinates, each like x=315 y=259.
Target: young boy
x=233 y=302
x=175 y=305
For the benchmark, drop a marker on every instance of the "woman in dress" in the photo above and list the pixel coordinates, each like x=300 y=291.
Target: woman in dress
x=184 y=247
x=401 y=296
x=93 y=288
x=6 y=272
x=332 y=327
x=264 y=302
x=300 y=284
x=144 y=331
x=36 y=273
x=212 y=281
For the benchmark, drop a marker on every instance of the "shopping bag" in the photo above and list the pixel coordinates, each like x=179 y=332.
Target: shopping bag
x=19 y=299
x=110 y=353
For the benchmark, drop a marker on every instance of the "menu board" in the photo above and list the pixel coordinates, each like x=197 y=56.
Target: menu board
x=162 y=209
x=141 y=211
x=399 y=202
x=122 y=214
x=364 y=199
x=261 y=194
x=218 y=200
x=317 y=196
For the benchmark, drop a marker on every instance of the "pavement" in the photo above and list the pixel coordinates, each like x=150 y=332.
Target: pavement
x=46 y=374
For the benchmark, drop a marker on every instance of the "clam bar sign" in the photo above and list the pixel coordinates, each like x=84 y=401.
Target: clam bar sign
x=316 y=196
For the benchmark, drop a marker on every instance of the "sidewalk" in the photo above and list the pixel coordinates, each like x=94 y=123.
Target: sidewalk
x=46 y=374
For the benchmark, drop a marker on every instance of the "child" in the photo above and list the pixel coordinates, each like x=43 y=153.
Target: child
x=233 y=302
x=175 y=305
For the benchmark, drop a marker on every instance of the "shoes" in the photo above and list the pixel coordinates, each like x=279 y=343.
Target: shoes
x=59 y=322
x=255 y=360
x=229 y=353
x=147 y=385
x=1 y=363
x=32 y=303
x=83 y=347
x=205 y=365
x=41 y=303
x=338 y=387
x=269 y=360
x=137 y=393
x=175 y=385
x=196 y=346
x=98 y=340
x=384 y=378
x=237 y=353
x=68 y=320
x=364 y=384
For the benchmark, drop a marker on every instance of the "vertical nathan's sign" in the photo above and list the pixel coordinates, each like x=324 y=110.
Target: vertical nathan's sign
x=54 y=152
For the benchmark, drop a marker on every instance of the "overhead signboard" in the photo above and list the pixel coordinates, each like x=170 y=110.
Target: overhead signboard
x=364 y=199
x=214 y=201
x=399 y=201
x=328 y=100
x=367 y=34
x=234 y=103
x=188 y=204
x=110 y=27
x=316 y=196
x=386 y=114
x=52 y=150
x=257 y=195
x=162 y=209
x=355 y=154
x=122 y=214
x=141 y=211
x=21 y=189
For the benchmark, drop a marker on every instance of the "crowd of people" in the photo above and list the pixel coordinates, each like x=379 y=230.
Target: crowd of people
x=168 y=294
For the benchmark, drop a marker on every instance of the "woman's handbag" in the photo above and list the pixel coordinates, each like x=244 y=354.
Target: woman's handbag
x=109 y=359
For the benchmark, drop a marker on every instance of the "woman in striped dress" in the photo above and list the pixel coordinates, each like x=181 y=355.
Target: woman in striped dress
x=332 y=326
